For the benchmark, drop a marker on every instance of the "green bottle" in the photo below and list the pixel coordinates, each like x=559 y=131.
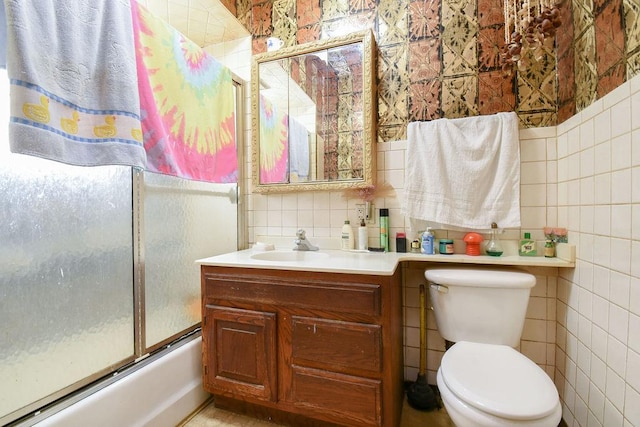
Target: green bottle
x=527 y=246
x=384 y=229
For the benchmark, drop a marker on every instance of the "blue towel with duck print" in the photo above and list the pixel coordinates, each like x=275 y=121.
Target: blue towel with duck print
x=3 y=37
x=73 y=81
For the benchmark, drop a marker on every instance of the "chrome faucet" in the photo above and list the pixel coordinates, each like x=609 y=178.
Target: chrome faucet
x=302 y=244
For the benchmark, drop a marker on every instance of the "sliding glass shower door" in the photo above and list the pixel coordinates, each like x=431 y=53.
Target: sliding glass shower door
x=66 y=277
x=96 y=268
x=183 y=221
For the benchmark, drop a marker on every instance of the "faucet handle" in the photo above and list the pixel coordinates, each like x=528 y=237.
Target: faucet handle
x=301 y=234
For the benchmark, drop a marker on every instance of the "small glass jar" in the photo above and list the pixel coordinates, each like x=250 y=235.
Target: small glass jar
x=494 y=248
x=549 y=249
x=446 y=246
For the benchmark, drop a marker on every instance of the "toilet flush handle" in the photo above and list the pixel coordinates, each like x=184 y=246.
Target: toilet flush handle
x=439 y=288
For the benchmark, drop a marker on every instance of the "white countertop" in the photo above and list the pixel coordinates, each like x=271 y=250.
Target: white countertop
x=374 y=263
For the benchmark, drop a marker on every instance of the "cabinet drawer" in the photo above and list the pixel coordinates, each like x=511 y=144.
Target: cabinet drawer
x=335 y=345
x=356 y=298
x=340 y=398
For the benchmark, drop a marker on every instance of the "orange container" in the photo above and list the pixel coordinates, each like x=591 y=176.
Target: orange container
x=473 y=241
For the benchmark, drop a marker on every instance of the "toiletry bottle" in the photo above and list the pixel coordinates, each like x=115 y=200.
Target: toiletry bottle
x=384 y=229
x=347 y=236
x=362 y=236
x=549 y=249
x=427 y=242
x=494 y=248
x=401 y=242
x=527 y=246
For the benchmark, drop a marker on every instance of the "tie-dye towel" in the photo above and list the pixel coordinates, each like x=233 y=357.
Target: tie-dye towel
x=274 y=143
x=74 y=91
x=186 y=103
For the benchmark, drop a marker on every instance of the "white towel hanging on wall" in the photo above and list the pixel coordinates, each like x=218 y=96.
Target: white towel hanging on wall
x=463 y=173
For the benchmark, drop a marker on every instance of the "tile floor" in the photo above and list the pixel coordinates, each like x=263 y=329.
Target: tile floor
x=210 y=416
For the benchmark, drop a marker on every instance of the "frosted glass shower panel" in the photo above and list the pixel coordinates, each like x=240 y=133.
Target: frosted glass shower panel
x=66 y=280
x=183 y=221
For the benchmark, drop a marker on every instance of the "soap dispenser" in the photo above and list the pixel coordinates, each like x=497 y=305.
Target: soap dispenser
x=427 y=242
x=494 y=248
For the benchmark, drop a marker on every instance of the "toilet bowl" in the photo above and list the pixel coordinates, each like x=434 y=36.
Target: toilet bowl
x=483 y=380
x=488 y=385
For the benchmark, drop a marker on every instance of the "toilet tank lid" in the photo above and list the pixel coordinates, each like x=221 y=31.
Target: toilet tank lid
x=481 y=277
x=498 y=380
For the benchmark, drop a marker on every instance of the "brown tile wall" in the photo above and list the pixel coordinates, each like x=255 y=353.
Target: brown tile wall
x=440 y=58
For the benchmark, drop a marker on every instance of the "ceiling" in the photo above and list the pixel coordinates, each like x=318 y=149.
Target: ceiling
x=205 y=22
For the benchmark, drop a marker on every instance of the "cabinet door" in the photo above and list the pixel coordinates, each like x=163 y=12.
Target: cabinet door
x=239 y=352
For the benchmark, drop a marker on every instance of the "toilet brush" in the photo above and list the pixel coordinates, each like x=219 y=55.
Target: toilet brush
x=420 y=395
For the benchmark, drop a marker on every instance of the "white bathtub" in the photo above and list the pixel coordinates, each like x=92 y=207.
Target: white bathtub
x=162 y=393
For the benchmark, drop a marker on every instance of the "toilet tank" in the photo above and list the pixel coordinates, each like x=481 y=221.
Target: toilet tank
x=484 y=305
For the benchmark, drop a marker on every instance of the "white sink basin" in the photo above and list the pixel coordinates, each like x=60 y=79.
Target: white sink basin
x=289 y=256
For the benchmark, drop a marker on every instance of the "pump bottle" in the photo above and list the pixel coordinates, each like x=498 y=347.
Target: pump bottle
x=348 y=240
x=427 y=242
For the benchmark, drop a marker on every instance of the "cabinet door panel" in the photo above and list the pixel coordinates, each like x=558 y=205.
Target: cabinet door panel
x=239 y=352
x=335 y=345
x=344 y=399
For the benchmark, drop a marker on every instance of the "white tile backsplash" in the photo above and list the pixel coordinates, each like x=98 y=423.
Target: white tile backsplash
x=635 y=185
x=621 y=152
x=616 y=354
x=587 y=135
x=532 y=150
x=621 y=227
x=584 y=337
x=602 y=188
x=632 y=407
x=596 y=404
x=615 y=389
x=587 y=161
x=612 y=416
x=602 y=127
x=621 y=186
x=621 y=116
x=599 y=342
x=634 y=336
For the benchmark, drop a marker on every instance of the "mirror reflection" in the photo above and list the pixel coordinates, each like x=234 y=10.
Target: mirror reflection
x=313 y=115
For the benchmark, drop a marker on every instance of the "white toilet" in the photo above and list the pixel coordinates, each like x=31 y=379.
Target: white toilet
x=482 y=379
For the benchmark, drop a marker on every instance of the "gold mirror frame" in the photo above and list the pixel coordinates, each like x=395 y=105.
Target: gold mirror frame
x=369 y=97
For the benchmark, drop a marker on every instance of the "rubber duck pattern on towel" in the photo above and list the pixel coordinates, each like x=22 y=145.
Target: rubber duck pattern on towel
x=47 y=111
x=37 y=112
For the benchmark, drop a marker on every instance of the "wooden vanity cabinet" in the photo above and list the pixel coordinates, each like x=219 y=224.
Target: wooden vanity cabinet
x=317 y=348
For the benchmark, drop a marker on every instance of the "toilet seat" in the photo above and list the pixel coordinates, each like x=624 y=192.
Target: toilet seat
x=498 y=380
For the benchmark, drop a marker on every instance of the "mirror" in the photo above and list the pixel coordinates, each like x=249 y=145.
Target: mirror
x=313 y=115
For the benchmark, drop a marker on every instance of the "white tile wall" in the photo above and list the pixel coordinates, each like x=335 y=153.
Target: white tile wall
x=603 y=392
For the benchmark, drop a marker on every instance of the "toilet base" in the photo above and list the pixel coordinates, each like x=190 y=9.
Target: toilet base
x=464 y=415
